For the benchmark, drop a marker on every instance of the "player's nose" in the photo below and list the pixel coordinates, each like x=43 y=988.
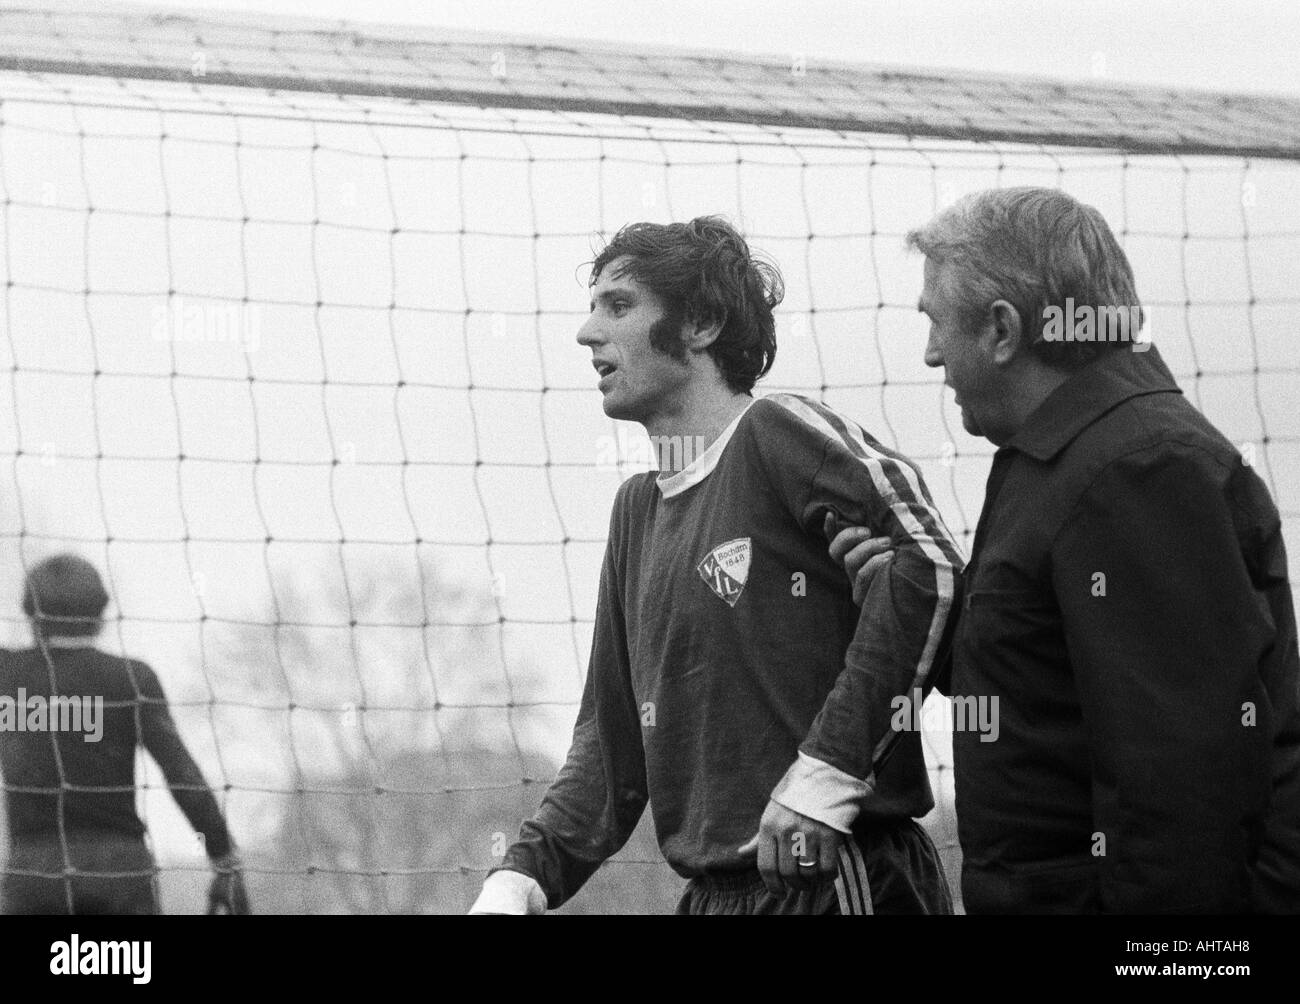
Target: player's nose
x=589 y=334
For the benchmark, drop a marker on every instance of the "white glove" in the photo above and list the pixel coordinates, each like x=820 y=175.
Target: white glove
x=510 y=893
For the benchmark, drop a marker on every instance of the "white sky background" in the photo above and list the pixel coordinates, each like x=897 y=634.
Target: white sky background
x=136 y=411
x=1243 y=45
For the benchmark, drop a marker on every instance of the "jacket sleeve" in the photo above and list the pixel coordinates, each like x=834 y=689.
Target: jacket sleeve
x=903 y=624
x=1165 y=634
x=595 y=802
x=163 y=740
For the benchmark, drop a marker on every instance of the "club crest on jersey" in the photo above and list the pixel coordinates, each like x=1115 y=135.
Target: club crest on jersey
x=726 y=568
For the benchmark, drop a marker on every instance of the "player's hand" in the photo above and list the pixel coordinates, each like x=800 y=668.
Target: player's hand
x=793 y=851
x=227 y=894
x=511 y=893
x=862 y=555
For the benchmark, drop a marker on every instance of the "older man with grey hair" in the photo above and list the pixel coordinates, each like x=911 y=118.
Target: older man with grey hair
x=1127 y=604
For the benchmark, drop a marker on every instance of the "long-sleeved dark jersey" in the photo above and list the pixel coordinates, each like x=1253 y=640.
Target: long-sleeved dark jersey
x=730 y=664
x=54 y=778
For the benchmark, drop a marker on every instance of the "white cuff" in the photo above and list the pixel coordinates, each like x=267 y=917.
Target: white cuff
x=819 y=791
x=512 y=893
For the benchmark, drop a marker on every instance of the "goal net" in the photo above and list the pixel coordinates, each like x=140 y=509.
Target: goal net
x=289 y=351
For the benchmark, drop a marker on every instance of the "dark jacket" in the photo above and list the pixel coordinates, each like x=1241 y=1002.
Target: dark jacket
x=1127 y=603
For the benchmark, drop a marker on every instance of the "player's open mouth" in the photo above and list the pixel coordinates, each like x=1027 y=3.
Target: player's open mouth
x=606 y=370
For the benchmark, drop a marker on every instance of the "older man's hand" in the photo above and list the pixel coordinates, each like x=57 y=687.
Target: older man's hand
x=862 y=555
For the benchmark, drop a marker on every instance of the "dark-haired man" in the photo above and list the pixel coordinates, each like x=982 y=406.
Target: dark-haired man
x=77 y=844
x=732 y=681
x=1126 y=602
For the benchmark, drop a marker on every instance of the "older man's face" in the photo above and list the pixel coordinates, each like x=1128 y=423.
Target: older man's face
x=967 y=369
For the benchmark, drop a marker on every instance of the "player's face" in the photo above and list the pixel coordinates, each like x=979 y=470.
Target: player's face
x=638 y=382
x=959 y=350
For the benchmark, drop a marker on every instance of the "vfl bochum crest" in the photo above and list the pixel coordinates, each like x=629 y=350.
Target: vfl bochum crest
x=726 y=568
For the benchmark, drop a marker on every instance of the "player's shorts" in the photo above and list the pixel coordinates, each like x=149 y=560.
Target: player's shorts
x=886 y=868
x=99 y=874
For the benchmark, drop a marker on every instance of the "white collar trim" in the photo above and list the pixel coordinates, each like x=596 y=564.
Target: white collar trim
x=702 y=466
x=68 y=641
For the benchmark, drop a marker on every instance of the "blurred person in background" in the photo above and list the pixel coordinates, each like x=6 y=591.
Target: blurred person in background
x=71 y=719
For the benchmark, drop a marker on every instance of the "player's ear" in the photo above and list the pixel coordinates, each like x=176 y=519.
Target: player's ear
x=698 y=334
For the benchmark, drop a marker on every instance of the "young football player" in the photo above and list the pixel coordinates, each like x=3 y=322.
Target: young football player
x=733 y=683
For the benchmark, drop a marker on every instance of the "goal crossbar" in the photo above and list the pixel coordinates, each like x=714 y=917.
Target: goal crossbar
x=635 y=80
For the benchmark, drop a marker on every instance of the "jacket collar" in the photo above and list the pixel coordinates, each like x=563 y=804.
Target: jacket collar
x=1108 y=381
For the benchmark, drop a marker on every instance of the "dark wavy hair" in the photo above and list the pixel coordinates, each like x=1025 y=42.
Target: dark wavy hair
x=704 y=272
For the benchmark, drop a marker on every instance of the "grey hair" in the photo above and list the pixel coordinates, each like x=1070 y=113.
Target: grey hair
x=1033 y=247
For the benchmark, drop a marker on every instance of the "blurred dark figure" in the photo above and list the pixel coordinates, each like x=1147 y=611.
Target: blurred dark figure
x=71 y=718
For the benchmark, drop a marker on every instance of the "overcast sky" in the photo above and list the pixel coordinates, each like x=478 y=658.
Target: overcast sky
x=1244 y=45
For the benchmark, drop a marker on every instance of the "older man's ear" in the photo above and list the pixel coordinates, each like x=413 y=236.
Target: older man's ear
x=1007 y=332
